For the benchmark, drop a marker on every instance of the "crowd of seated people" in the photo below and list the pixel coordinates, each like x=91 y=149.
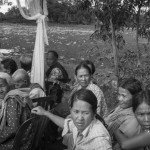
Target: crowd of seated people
x=80 y=110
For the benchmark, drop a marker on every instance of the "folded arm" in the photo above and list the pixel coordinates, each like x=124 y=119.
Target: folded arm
x=138 y=141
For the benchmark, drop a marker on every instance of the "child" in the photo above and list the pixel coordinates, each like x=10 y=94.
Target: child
x=122 y=117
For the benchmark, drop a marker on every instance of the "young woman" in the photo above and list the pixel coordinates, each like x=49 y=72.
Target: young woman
x=141 y=108
x=122 y=117
x=83 y=77
x=88 y=132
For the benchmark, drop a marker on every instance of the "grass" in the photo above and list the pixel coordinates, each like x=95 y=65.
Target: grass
x=72 y=42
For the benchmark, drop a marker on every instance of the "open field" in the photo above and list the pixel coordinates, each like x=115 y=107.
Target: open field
x=72 y=44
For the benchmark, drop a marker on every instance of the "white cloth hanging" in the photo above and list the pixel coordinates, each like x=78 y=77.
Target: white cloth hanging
x=36 y=12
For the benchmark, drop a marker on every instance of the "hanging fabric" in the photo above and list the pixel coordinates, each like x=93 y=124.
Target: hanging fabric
x=37 y=10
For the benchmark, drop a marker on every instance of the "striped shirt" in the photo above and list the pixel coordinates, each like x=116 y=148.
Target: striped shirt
x=95 y=136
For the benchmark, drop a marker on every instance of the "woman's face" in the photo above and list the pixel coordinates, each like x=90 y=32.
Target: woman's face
x=83 y=77
x=142 y=114
x=125 y=98
x=82 y=114
x=4 y=88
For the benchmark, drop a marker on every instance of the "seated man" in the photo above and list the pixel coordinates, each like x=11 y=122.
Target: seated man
x=56 y=76
x=21 y=79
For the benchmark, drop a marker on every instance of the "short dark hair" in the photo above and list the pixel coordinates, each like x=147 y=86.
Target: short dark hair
x=9 y=64
x=133 y=85
x=86 y=96
x=82 y=65
x=54 y=53
x=142 y=97
x=88 y=62
x=26 y=62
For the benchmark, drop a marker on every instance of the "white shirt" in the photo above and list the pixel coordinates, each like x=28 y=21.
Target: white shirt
x=95 y=136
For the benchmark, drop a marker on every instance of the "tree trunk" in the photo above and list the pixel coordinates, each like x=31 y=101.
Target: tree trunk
x=137 y=37
x=115 y=50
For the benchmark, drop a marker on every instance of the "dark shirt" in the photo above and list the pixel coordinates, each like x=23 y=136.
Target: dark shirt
x=57 y=71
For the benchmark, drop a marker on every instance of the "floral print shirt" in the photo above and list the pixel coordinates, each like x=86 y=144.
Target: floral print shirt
x=13 y=115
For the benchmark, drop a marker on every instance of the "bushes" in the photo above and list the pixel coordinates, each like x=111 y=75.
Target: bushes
x=64 y=13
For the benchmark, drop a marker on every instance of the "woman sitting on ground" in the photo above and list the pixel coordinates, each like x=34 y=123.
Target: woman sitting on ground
x=83 y=76
x=122 y=117
x=15 y=109
x=141 y=109
x=91 y=66
x=88 y=132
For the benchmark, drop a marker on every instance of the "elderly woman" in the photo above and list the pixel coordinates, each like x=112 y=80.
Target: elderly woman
x=21 y=79
x=15 y=110
x=83 y=76
x=88 y=132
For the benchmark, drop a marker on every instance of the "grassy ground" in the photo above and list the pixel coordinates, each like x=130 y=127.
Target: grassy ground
x=72 y=42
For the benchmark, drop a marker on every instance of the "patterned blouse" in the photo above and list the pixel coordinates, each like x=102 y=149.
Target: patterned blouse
x=14 y=119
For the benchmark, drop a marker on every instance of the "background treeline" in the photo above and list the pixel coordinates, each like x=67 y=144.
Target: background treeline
x=64 y=13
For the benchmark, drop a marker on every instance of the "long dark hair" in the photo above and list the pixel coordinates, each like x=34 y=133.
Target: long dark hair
x=86 y=96
x=133 y=85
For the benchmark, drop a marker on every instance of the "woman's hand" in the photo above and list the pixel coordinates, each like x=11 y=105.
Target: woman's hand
x=38 y=111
